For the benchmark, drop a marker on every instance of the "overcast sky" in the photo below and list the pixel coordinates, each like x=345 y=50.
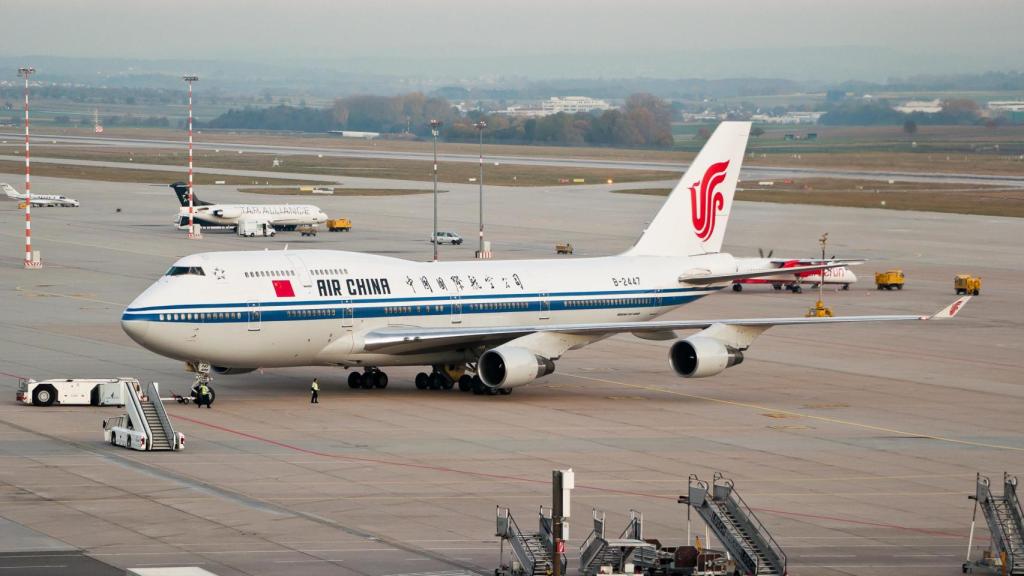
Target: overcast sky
x=801 y=39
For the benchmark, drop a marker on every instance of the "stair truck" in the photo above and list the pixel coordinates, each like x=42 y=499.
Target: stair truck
x=145 y=425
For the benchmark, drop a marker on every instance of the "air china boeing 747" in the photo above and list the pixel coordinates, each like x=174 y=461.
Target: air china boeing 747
x=504 y=322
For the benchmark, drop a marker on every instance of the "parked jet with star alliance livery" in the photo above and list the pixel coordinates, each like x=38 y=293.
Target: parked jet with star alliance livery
x=279 y=216
x=504 y=322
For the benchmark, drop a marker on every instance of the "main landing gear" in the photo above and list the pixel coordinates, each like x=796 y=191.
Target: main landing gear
x=447 y=377
x=370 y=378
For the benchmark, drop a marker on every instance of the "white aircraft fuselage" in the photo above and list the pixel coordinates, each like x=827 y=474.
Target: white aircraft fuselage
x=277 y=215
x=241 y=312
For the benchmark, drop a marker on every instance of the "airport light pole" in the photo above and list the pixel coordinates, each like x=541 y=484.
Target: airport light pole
x=435 y=124
x=192 y=234
x=821 y=285
x=29 y=262
x=480 y=128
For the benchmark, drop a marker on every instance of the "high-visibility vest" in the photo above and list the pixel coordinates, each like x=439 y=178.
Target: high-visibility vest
x=315 y=387
x=204 y=391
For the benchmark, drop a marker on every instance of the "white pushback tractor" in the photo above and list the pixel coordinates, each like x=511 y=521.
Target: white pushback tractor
x=145 y=425
x=73 y=391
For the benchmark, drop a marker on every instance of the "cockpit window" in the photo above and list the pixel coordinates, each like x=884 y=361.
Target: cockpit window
x=183 y=270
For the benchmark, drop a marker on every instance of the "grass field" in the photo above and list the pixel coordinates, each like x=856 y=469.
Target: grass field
x=954 y=198
x=118 y=175
x=417 y=170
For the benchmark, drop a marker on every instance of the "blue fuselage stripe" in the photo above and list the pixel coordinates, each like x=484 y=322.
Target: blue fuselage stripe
x=331 y=310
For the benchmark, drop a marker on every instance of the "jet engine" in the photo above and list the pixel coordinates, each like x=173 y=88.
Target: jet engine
x=227 y=212
x=700 y=356
x=230 y=371
x=510 y=366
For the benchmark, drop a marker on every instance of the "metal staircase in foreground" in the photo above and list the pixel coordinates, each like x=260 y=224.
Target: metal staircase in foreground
x=741 y=533
x=1005 y=520
x=629 y=548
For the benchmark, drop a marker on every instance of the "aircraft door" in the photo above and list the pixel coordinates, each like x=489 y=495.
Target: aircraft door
x=347 y=314
x=300 y=270
x=456 y=307
x=545 y=306
x=254 y=314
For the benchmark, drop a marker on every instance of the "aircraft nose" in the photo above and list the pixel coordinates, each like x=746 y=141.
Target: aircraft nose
x=853 y=277
x=135 y=329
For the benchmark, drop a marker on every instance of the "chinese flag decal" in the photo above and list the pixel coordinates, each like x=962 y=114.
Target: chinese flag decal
x=283 y=289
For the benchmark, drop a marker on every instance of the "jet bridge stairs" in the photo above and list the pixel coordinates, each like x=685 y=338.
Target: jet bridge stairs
x=742 y=535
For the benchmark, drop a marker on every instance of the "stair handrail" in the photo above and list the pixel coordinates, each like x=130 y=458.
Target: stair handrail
x=1013 y=509
x=634 y=529
x=742 y=506
x=517 y=541
x=136 y=415
x=985 y=499
x=152 y=391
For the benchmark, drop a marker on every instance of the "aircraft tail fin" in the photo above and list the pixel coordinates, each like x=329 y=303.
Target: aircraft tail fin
x=11 y=192
x=181 y=191
x=694 y=217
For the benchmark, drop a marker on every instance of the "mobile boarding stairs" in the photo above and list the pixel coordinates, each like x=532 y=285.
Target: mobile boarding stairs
x=145 y=425
x=742 y=535
x=1005 y=520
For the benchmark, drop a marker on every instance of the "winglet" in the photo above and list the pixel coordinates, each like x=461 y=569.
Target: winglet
x=951 y=310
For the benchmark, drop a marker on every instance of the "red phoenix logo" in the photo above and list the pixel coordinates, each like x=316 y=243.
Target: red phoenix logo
x=706 y=203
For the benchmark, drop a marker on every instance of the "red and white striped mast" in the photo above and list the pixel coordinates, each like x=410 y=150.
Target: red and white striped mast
x=192 y=234
x=29 y=263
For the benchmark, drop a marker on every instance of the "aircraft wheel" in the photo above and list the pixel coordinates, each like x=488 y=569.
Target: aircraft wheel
x=44 y=395
x=355 y=380
x=504 y=391
x=737 y=287
x=777 y=286
x=846 y=286
x=370 y=380
x=381 y=380
x=422 y=381
x=465 y=383
x=435 y=381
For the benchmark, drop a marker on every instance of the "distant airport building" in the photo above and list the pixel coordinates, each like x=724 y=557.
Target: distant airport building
x=924 y=106
x=355 y=134
x=556 y=105
x=1006 y=106
x=787 y=118
x=573 y=104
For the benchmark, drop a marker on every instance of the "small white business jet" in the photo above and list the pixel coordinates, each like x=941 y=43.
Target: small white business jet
x=278 y=216
x=39 y=199
x=488 y=326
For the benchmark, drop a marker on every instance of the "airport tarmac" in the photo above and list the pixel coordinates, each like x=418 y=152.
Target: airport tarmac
x=856 y=445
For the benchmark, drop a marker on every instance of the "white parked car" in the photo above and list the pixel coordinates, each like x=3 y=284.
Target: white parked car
x=448 y=238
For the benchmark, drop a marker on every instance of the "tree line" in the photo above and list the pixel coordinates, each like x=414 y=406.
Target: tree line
x=644 y=121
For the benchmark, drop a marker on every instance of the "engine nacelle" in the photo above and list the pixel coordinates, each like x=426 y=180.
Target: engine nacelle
x=230 y=371
x=698 y=356
x=228 y=213
x=509 y=366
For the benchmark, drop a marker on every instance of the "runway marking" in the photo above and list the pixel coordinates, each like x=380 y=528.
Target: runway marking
x=793 y=413
x=69 y=296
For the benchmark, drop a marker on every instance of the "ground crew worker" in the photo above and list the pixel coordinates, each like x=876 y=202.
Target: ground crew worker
x=315 y=388
x=204 y=396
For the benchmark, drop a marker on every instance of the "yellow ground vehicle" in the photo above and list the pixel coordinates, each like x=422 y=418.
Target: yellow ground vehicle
x=819 y=310
x=339 y=224
x=563 y=248
x=889 y=279
x=967 y=284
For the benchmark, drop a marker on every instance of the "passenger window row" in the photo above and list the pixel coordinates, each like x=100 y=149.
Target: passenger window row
x=269 y=273
x=500 y=306
x=609 y=302
x=312 y=313
x=201 y=316
x=328 y=271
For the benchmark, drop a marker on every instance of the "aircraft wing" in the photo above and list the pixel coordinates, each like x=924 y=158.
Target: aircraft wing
x=704 y=279
x=845 y=261
x=410 y=340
